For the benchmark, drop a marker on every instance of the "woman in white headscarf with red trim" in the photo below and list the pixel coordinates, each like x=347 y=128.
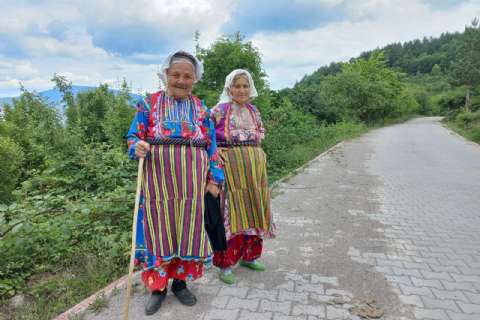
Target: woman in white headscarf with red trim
x=245 y=198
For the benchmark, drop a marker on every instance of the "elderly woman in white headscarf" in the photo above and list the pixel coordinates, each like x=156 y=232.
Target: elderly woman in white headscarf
x=172 y=129
x=245 y=198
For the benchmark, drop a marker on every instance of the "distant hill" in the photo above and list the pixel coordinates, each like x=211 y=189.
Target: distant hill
x=54 y=97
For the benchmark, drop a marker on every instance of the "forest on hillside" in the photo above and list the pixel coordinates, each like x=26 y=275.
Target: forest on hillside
x=67 y=190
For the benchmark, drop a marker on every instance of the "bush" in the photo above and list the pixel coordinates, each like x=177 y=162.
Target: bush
x=11 y=158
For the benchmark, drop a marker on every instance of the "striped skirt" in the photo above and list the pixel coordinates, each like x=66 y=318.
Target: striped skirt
x=246 y=198
x=174 y=189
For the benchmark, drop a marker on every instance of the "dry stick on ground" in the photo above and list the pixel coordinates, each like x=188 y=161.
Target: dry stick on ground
x=134 y=236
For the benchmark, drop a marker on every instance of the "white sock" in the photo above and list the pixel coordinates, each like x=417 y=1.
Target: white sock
x=227 y=271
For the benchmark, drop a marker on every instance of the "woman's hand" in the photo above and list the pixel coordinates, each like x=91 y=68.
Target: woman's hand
x=141 y=149
x=213 y=189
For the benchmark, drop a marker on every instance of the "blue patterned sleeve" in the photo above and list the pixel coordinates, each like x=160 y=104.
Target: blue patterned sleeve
x=215 y=171
x=138 y=127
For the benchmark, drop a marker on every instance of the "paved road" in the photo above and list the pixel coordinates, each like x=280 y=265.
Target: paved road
x=387 y=223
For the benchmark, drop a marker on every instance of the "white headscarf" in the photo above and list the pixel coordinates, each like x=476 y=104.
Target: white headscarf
x=177 y=57
x=225 y=96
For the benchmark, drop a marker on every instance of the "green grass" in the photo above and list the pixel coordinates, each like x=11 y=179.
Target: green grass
x=52 y=295
x=100 y=303
x=472 y=133
x=466 y=124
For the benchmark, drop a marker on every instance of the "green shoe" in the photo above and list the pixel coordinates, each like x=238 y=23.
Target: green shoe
x=227 y=278
x=254 y=265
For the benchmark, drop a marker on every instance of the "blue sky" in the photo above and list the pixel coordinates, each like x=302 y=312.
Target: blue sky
x=92 y=42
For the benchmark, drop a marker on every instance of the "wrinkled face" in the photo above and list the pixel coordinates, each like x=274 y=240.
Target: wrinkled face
x=240 y=90
x=180 y=78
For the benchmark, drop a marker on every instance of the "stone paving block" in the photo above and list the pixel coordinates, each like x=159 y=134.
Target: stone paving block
x=469 y=307
x=431 y=303
x=247 y=315
x=338 y=292
x=399 y=279
x=384 y=269
x=321 y=298
x=296 y=277
x=475 y=265
x=463 y=257
x=430 y=314
x=410 y=253
x=406 y=272
x=328 y=280
x=306 y=287
x=400 y=258
x=421 y=291
x=221 y=314
x=440 y=268
x=473 y=297
x=280 y=316
x=308 y=310
x=336 y=313
x=451 y=295
x=445 y=250
x=263 y=294
x=430 y=261
x=469 y=271
x=465 y=286
x=375 y=255
x=417 y=266
x=220 y=302
x=250 y=284
x=282 y=307
x=301 y=297
x=369 y=261
x=412 y=300
x=234 y=292
x=451 y=262
x=389 y=263
x=463 y=316
x=427 y=283
x=436 y=275
x=238 y=303
x=464 y=278
x=289 y=285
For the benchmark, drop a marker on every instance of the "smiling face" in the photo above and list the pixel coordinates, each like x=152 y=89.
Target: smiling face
x=240 y=90
x=180 y=78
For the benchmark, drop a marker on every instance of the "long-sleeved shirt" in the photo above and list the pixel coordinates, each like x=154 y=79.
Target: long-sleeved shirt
x=235 y=123
x=161 y=116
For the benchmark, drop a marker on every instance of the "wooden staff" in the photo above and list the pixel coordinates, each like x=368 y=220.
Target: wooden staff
x=134 y=237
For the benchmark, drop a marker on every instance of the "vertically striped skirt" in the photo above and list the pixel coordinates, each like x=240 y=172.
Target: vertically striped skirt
x=174 y=189
x=246 y=196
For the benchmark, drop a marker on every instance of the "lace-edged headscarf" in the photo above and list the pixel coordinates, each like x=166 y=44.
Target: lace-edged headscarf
x=229 y=80
x=181 y=56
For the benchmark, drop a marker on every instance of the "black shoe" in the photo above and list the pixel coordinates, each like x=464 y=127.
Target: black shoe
x=180 y=290
x=155 y=302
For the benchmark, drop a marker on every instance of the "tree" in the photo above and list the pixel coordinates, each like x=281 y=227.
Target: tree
x=467 y=65
x=225 y=55
x=35 y=127
x=118 y=116
x=11 y=158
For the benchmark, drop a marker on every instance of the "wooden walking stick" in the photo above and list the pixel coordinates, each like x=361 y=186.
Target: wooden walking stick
x=134 y=237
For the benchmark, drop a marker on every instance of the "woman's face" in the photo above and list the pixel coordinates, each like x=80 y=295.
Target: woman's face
x=240 y=90
x=180 y=78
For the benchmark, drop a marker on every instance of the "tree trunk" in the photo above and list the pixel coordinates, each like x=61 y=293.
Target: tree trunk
x=467 y=100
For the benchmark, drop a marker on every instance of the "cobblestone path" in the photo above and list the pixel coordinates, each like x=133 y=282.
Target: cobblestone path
x=387 y=224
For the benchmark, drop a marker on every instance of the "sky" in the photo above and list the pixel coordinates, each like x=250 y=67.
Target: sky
x=93 y=42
